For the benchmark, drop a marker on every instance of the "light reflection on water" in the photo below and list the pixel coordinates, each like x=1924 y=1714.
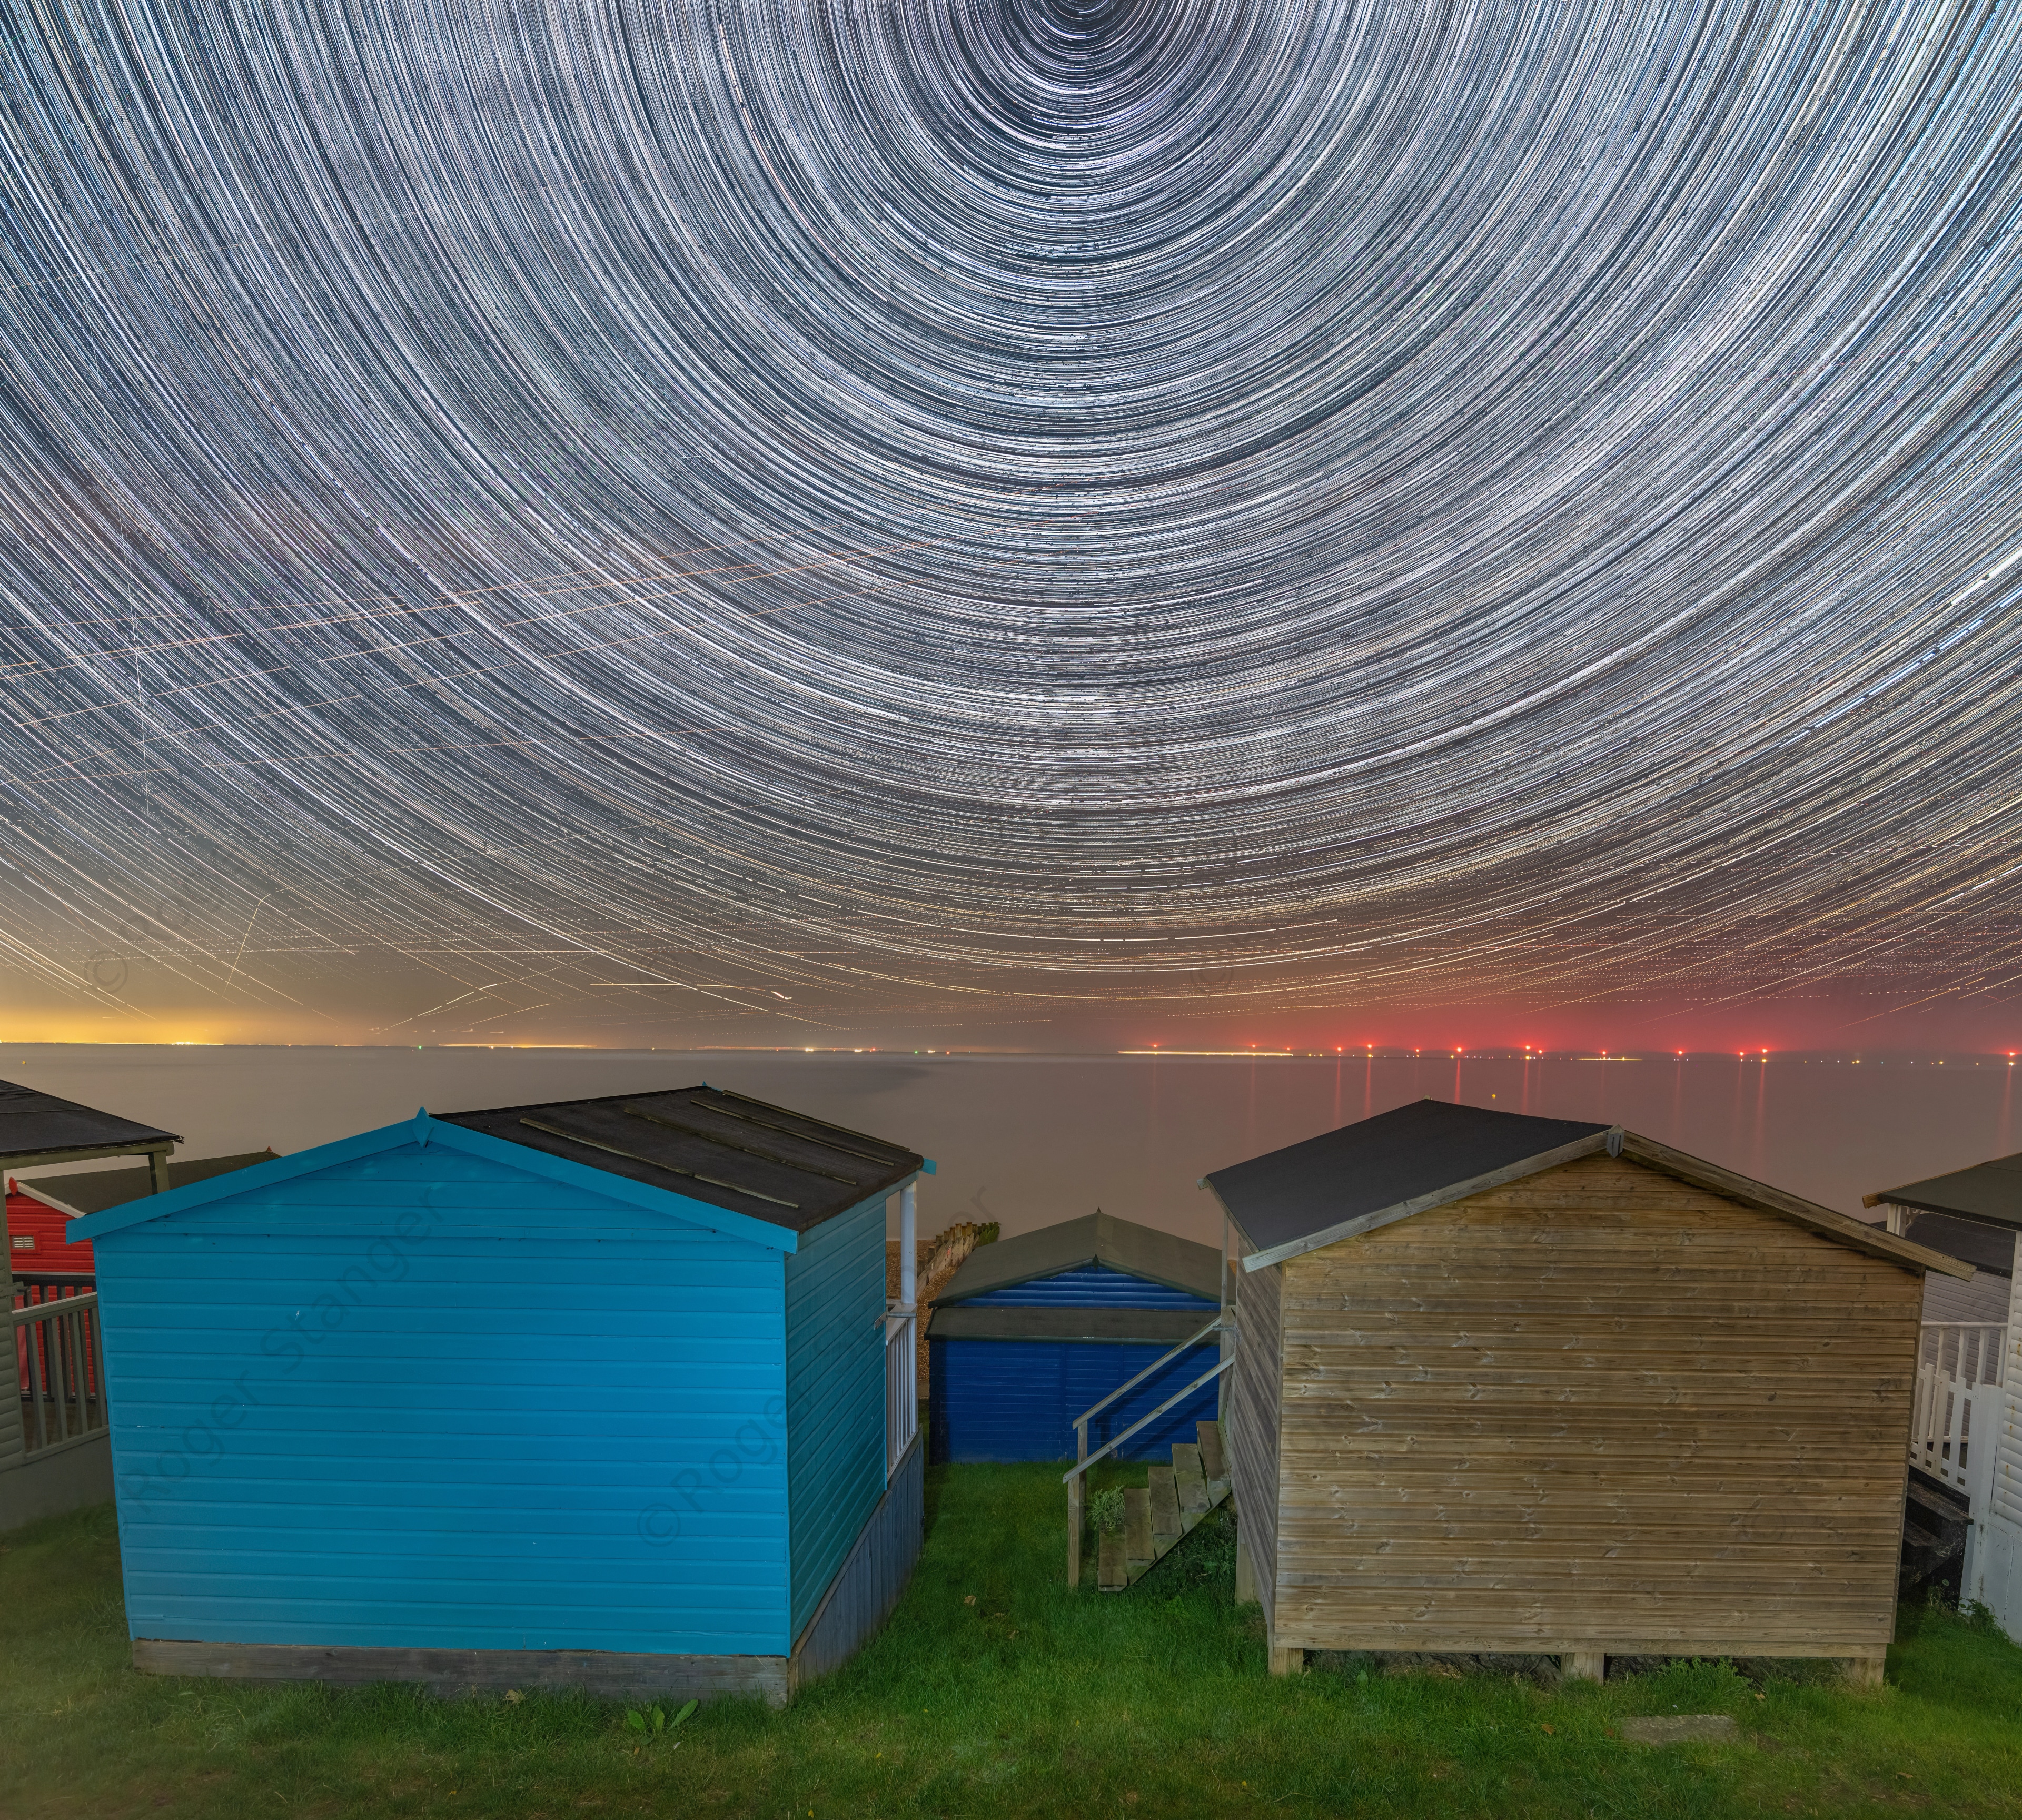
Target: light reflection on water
x=1028 y=1140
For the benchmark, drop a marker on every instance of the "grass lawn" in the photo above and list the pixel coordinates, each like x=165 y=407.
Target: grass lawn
x=994 y=1691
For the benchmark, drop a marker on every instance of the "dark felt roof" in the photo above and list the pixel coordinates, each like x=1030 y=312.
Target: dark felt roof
x=93 y=1191
x=1403 y=1163
x=33 y=1124
x=1987 y=1191
x=1110 y=1326
x=751 y=1157
x=1094 y=1238
x=1418 y=1149
x=1981 y=1243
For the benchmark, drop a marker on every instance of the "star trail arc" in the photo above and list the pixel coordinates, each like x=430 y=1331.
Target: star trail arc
x=645 y=512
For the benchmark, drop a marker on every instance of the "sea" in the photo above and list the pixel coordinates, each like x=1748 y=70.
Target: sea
x=1028 y=1140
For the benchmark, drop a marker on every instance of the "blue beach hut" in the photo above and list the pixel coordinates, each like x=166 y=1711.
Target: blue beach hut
x=1033 y=1330
x=602 y=1394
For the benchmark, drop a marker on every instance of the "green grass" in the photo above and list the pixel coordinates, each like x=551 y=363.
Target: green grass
x=1029 y=1701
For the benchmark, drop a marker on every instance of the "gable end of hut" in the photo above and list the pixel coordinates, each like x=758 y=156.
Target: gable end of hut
x=1597 y=1408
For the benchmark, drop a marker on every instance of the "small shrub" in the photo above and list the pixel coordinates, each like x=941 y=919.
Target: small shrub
x=653 y=1720
x=1105 y=1512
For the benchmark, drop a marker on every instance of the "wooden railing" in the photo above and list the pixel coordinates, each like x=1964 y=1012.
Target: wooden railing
x=1958 y=1380
x=34 y=1286
x=1075 y=1476
x=62 y=1370
x=1158 y=1364
x=901 y=1383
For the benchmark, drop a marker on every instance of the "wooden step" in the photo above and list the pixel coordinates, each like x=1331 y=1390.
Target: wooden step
x=1934 y=1509
x=1213 y=1466
x=1156 y=1516
x=1166 y=1525
x=1139 y=1551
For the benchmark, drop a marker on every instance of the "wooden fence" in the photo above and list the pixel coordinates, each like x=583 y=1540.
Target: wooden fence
x=1956 y=1404
x=61 y=1368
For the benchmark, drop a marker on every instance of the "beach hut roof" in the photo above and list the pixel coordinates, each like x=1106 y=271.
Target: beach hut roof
x=1432 y=1153
x=721 y=1148
x=738 y=1166
x=38 y=1127
x=82 y=1195
x=1990 y=1192
x=1096 y=1238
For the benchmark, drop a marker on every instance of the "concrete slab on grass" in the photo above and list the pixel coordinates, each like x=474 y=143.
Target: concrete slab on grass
x=1681 y=1728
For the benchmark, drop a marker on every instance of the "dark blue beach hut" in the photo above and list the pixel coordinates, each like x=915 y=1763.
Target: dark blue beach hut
x=1033 y=1330
x=603 y=1394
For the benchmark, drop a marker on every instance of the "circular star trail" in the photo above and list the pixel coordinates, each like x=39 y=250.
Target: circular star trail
x=833 y=510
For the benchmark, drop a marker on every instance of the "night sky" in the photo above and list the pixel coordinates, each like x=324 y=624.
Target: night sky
x=1010 y=524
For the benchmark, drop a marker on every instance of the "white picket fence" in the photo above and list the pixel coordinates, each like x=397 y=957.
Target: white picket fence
x=1958 y=1401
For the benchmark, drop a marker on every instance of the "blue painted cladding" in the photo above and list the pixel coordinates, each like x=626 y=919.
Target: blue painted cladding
x=345 y=1410
x=1098 y=1286
x=835 y=1395
x=1013 y=1399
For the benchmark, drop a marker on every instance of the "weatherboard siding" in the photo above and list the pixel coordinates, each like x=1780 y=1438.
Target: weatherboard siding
x=1596 y=1409
x=835 y=1395
x=439 y=1188
x=1093 y=1286
x=422 y=1400
x=1252 y=1424
x=1014 y=1399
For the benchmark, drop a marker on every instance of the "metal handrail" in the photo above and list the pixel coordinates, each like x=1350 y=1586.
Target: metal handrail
x=1208 y=1376
x=1094 y=1408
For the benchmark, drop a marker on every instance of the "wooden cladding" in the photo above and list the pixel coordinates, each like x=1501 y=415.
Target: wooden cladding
x=1253 y=1399
x=1598 y=1408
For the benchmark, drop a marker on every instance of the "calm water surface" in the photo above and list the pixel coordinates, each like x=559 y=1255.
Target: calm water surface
x=1028 y=1140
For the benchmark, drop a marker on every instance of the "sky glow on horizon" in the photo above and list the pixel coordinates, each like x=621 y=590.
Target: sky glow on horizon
x=659 y=523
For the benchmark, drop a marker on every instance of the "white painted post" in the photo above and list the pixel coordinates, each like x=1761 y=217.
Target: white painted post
x=909 y=1243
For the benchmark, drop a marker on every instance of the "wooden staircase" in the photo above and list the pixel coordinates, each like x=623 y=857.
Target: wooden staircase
x=1936 y=1517
x=1156 y=1517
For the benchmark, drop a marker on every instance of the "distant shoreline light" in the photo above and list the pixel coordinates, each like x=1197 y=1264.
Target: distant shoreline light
x=1234 y=1054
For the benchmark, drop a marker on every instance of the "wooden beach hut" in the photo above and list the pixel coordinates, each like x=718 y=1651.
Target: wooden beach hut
x=1520 y=1385
x=1966 y=1457
x=1033 y=1330
x=42 y=1211
x=604 y=1394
